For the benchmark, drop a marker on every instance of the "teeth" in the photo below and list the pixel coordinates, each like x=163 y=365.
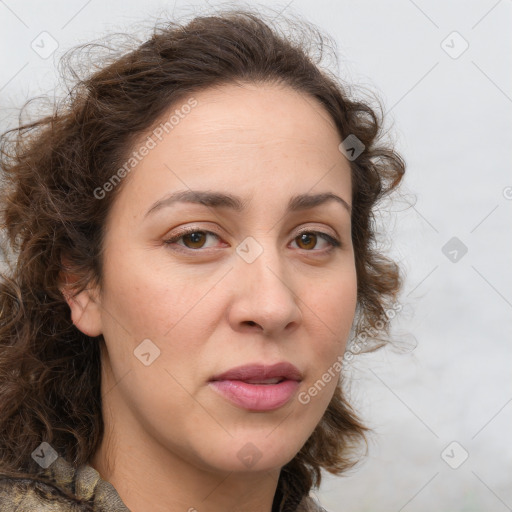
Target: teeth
x=268 y=381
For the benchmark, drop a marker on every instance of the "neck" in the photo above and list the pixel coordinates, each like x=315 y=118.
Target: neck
x=149 y=476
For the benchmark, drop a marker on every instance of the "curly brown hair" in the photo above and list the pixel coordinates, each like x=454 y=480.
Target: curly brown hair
x=50 y=386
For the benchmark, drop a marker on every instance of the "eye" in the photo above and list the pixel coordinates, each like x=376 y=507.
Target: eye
x=309 y=239
x=195 y=239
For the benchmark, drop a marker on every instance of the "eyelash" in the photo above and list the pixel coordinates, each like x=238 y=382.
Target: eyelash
x=332 y=241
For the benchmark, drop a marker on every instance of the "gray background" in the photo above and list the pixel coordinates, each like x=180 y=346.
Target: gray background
x=450 y=116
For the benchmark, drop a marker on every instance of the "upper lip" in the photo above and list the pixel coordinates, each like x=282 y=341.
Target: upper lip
x=284 y=370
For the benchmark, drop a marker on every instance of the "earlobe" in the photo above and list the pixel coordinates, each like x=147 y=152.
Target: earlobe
x=85 y=307
x=85 y=313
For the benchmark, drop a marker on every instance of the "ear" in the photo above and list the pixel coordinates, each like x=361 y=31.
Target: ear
x=85 y=307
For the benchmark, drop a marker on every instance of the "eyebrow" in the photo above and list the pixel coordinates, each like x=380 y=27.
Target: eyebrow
x=226 y=200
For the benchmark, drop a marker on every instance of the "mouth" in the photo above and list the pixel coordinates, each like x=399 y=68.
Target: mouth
x=258 y=387
x=277 y=380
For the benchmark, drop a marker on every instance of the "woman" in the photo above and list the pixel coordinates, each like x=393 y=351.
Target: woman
x=191 y=246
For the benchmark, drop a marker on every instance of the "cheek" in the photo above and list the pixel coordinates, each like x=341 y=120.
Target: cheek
x=332 y=307
x=150 y=299
x=170 y=308
x=330 y=311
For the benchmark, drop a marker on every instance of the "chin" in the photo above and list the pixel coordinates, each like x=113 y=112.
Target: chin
x=266 y=451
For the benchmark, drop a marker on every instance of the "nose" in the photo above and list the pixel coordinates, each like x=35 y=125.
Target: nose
x=263 y=297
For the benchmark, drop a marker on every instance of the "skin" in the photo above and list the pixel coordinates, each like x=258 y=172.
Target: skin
x=171 y=442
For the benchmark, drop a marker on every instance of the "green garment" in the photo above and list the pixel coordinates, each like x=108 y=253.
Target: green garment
x=74 y=490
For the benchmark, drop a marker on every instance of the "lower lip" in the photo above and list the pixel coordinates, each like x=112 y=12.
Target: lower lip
x=256 y=397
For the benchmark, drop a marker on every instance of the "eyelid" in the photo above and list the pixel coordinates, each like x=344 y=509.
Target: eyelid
x=319 y=231
x=333 y=241
x=187 y=231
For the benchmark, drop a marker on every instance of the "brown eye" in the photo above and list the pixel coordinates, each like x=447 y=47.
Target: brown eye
x=197 y=239
x=191 y=239
x=306 y=241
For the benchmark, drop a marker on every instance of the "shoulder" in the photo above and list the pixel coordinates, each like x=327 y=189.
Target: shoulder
x=29 y=495
x=59 y=488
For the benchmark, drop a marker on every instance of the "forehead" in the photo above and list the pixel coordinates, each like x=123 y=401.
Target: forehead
x=256 y=112
x=244 y=136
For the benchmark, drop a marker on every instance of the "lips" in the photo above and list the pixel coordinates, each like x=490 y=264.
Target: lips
x=258 y=387
x=259 y=373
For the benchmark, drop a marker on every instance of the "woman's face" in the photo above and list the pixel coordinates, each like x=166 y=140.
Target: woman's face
x=245 y=288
